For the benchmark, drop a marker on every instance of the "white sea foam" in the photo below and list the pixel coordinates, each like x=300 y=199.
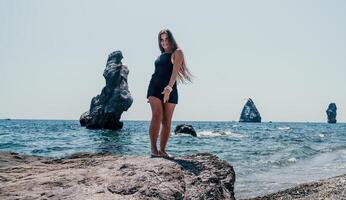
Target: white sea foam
x=293 y=159
x=218 y=134
x=284 y=128
x=321 y=135
x=180 y=135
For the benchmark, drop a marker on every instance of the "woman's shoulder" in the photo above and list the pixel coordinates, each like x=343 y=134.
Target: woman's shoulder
x=178 y=52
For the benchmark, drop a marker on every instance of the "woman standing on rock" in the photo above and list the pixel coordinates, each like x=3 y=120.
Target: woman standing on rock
x=162 y=91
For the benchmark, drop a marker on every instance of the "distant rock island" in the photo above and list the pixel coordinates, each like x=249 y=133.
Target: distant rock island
x=331 y=113
x=115 y=98
x=250 y=112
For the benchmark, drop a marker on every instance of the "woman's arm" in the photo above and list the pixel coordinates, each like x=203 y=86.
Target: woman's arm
x=177 y=63
x=178 y=60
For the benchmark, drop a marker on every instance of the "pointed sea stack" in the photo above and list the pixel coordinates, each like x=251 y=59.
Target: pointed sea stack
x=331 y=113
x=250 y=113
x=115 y=98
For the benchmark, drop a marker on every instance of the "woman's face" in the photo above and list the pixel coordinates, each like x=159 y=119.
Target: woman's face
x=164 y=42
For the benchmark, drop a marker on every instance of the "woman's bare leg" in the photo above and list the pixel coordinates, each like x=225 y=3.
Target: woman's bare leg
x=154 y=129
x=168 y=109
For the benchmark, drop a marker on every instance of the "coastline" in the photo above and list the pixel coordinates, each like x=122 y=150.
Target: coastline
x=326 y=189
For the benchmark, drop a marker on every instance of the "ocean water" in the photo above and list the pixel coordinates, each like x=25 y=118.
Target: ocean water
x=266 y=157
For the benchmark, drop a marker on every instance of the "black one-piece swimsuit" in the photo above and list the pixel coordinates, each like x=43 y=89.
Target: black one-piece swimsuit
x=160 y=79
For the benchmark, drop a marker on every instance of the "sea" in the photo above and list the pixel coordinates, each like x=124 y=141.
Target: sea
x=266 y=157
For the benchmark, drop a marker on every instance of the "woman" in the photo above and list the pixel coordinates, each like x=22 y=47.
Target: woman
x=162 y=91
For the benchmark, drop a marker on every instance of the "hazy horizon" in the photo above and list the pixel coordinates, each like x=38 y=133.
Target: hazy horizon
x=288 y=56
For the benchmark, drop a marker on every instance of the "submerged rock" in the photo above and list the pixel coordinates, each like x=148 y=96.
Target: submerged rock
x=104 y=176
x=331 y=113
x=115 y=98
x=185 y=129
x=218 y=132
x=250 y=113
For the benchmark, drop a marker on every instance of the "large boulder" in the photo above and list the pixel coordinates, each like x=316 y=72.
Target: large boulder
x=185 y=129
x=115 y=98
x=104 y=176
x=331 y=113
x=250 y=113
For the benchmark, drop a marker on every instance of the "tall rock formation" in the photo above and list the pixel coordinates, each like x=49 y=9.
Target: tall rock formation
x=331 y=113
x=115 y=98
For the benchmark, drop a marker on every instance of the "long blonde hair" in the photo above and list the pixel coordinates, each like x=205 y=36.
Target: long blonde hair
x=184 y=74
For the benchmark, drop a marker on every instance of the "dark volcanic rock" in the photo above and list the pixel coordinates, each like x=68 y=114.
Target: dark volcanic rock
x=103 y=176
x=106 y=109
x=250 y=113
x=84 y=118
x=331 y=113
x=185 y=129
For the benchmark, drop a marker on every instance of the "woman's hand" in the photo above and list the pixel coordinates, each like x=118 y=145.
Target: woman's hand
x=166 y=94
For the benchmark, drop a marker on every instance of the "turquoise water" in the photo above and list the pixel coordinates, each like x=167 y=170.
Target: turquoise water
x=266 y=156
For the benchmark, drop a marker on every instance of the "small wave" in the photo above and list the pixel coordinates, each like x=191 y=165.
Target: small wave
x=282 y=162
x=180 y=135
x=321 y=135
x=292 y=160
x=334 y=148
x=218 y=133
x=284 y=128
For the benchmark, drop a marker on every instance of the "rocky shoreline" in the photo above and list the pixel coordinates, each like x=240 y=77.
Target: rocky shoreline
x=105 y=176
x=329 y=189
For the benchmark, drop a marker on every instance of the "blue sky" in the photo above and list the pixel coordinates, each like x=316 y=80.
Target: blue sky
x=288 y=56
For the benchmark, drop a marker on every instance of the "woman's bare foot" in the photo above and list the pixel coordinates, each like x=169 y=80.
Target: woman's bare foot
x=164 y=154
x=154 y=153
